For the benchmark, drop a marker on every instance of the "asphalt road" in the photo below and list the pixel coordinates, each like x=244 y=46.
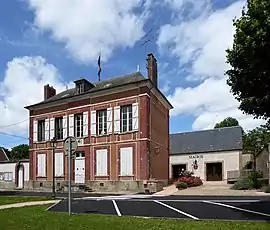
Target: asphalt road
x=201 y=208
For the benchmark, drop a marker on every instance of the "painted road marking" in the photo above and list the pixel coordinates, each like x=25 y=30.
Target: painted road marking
x=116 y=208
x=176 y=210
x=236 y=208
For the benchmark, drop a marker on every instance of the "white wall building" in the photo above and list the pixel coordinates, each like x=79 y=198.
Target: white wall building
x=210 y=154
x=14 y=174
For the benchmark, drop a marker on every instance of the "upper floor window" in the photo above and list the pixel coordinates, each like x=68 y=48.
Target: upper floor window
x=41 y=130
x=78 y=125
x=59 y=128
x=79 y=88
x=102 y=121
x=126 y=118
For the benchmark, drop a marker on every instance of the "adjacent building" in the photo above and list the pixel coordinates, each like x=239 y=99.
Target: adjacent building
x=122 y=128
x=210 y=154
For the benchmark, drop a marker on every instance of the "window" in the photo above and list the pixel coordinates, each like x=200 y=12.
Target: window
x=59 y=128
x=78 y=125
x=80 y=88
x=102 y=122
x=126 y=161
x=8 y=176
x=126 y=118
x=41 y=130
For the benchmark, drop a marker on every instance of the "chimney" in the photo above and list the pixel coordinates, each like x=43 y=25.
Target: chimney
x=152 y=69
x=49 y=92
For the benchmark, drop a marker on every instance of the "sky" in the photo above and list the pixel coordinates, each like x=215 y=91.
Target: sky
x=57 y=42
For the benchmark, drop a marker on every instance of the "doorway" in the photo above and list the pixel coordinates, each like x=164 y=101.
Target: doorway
x=214 y=171
x=80 y=168
x=176 y=170
x=19 y=170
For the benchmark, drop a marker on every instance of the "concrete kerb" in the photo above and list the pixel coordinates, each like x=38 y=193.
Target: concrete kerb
x=32 y=203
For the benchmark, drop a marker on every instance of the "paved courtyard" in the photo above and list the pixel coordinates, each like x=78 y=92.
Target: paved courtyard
x=180 y=207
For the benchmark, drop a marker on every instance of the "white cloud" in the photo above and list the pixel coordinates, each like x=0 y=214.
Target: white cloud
x=86 y=27
x=22 y=85
x=201 y=42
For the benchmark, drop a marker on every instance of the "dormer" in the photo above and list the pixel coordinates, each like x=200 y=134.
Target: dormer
x=82 y=85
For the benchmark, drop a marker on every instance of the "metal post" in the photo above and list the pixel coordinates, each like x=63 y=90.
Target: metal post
x=69 y=176
x=53 y=172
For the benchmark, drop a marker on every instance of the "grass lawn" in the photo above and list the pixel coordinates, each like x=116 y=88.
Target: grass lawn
x=18 y=199
x=31 y=218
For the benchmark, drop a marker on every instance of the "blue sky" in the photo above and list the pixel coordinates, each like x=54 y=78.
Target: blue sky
x=57 y=42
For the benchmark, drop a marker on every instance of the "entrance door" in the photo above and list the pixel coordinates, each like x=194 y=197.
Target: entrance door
x=177 y=170
x=214 y=171
x=79 y=168
x=20 y=177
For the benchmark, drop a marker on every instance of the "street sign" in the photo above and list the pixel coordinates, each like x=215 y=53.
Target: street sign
x=73 y=145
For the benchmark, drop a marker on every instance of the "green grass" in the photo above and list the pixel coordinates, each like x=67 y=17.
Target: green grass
x=19 y=199
x=30 y=218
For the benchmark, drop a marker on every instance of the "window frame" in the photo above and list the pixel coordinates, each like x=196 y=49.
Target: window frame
x=41 y=130
x=102 y=120
x=126 y=110
x=58 y=128
x=81 y=125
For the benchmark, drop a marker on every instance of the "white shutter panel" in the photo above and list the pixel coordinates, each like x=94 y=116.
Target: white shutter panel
x=122 y=161
x=47 y=129
x=129 y=159
x=65 y=127
x=39 y=163
x=35 y=131
x=135 y=113
x=44 y=165
x=59 y=164
x=117 y=119
x=71 y=125
x=85 y=124
x=109 y=120
x=101 y=162
x=93 y=123
x=52 y=134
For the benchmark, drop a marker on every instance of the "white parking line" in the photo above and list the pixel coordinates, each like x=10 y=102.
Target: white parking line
x=116 y=208
x=236 y=208
x=176 y=210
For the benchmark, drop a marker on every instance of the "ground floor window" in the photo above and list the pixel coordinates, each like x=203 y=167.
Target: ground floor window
x=214 y=171
x=177 y=169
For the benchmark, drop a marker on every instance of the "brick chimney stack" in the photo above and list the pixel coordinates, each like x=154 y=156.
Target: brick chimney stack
x=49 y=91
x=152 y=69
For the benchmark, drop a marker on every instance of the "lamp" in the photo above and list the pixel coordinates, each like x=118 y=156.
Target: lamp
x=53 y=144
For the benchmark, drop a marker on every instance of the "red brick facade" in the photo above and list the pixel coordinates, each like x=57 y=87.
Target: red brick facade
x=150 y=143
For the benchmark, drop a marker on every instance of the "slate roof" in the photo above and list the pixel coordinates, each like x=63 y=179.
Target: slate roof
x=3 y=156
x=213 y=140
x=98 y=86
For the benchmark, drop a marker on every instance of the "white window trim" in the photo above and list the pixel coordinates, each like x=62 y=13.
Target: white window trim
x=103 y=161
x=129 y=118
x=104 y=114
x=80 y=126
x=130 y=151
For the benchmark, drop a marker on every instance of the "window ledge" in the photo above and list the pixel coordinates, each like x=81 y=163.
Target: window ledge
x=126 y=175
x=101 y=175
x=128 y=132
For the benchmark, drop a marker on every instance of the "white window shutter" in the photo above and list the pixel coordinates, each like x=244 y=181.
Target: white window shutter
x=93 y=123
x=59 y=165
x=35 y=131
x=109 y=120
x=71 y=125
x=126 y=161
x=101 y=162
x=41 y=165
x=135 y=116
x=47 y=129
x=52 y=134
x=117 y=119
x=65 y=127
x=85 y=124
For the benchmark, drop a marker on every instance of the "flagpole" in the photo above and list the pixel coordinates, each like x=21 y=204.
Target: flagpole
x=99 y=68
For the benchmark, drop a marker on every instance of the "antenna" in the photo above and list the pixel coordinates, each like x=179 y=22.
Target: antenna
x=146 y=39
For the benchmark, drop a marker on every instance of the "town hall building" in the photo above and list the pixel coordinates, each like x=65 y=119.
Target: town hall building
x=122 y=128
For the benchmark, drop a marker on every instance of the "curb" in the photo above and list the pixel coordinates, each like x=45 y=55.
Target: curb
x=25 y=204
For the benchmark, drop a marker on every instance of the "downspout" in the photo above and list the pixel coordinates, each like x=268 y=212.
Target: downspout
x=150 y=139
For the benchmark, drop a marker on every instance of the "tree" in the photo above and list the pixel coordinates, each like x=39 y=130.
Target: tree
x=249 y=58
x=227 y=122
x=20 y=152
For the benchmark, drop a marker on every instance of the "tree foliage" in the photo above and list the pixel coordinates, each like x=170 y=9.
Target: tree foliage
x=19 y=152
x=249 y=58
x=227 y=122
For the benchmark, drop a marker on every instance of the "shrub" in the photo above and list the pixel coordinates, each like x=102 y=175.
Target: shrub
x=249 y=181
x=181 y=185
x=191 y=181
